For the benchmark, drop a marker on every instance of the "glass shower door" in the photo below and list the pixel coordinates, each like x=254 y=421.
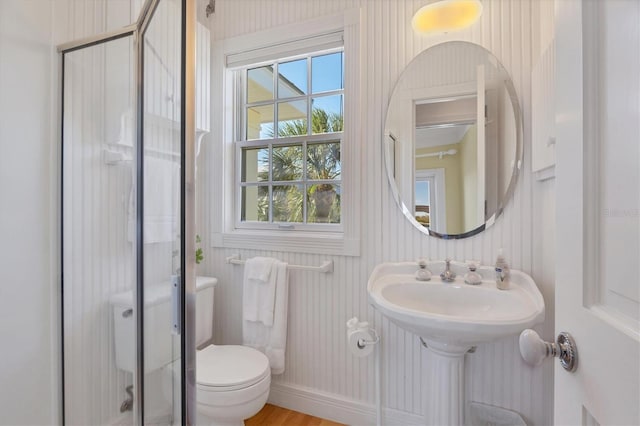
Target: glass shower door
x=98 y=249
x=162 y=212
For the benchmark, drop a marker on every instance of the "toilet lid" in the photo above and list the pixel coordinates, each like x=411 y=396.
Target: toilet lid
x=229 y=366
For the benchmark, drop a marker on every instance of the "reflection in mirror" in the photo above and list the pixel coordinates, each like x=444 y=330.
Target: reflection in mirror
x=453 y=139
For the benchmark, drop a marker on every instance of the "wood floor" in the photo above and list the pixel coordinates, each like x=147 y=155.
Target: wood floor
x=272 y=415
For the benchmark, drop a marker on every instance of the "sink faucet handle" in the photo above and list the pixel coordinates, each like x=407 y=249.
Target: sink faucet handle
x=472 y=277
x=473 y=264
x=423 y=273
x=447 y=275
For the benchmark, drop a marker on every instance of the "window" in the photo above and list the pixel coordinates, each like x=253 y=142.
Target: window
x=429 y=198
x=286 y=114
x=289 y=118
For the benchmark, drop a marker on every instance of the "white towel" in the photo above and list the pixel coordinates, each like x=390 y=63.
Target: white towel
x=161 y=201
x=272 y=340
x=259 y=290
x=259 y=268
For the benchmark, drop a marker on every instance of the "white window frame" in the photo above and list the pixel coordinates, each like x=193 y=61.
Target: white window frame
x=267 y=46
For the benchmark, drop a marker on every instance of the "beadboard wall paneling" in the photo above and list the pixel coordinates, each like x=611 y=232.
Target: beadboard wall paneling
x=317 y=358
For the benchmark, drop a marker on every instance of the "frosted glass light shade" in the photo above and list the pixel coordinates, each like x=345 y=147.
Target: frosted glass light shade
x=447 y=15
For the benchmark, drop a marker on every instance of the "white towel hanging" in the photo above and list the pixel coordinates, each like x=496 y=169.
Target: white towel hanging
x=259 y=290
x=271 y=340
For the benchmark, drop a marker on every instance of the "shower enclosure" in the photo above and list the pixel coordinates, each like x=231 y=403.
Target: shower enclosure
x=127 y=231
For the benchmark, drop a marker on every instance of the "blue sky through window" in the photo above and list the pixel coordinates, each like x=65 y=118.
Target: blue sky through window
x=292 y=78
x=327 y=73
x=422 y=193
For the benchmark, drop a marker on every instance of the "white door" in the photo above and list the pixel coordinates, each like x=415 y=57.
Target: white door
x=598 y=210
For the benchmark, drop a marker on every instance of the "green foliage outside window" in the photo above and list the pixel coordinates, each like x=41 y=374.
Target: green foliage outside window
x=323 y=163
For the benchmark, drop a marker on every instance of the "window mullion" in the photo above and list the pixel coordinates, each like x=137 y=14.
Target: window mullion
x=324 y=181
x=328 y=93
x=262 y=103
x=294 y=140
x=287 y=182
x=276 y=78
x=304 y=178
x=270 y=176
x=309 y=106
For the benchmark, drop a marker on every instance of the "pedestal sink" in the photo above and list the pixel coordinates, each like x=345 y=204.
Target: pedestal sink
x=451 y=318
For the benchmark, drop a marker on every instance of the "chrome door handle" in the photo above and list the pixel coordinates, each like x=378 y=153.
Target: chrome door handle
x=534 y=350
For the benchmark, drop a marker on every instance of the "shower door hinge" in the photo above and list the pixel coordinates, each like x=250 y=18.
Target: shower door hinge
x=211 y=8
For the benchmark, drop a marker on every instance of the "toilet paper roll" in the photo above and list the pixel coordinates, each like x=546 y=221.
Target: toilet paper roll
x=355 y=339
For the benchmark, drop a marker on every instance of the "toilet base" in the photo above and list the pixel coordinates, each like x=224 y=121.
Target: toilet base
x=230 y=415
x=232 y=407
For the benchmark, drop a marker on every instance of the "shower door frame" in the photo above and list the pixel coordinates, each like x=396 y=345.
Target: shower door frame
x=187 y=292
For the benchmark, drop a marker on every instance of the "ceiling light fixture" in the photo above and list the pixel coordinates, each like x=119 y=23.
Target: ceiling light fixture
x=446 y=15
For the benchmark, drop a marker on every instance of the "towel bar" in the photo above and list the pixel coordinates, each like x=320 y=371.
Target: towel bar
x=327 y=265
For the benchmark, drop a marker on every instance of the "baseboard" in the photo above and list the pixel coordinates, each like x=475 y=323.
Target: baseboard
x=336 y=407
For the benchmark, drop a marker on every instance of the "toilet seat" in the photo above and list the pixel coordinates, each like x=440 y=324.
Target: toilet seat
x=230 y=367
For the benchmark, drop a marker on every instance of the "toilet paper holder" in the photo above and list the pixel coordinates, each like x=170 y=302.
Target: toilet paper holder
x=362 y=342
x=355 y=324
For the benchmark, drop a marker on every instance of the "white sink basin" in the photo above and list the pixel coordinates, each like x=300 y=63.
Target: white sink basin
x=455 y=313
x=451 y=317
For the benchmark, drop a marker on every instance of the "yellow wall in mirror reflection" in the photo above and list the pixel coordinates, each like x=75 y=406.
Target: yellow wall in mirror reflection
x=461 y=180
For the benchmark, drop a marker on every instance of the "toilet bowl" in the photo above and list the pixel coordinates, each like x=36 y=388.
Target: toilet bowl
x=232 y=384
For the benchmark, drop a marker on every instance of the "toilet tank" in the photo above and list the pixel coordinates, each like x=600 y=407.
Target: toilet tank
x=161 y=346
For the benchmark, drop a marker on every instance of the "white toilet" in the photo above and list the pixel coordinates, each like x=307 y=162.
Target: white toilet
x=232 y=382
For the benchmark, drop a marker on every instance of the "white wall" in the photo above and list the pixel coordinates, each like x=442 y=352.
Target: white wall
x=321 y=376
x=28 y=367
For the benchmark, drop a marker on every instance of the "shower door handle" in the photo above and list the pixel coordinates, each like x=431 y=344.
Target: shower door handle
x=175 y=304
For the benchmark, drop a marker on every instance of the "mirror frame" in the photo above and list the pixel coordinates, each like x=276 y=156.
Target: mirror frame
x=388 y=158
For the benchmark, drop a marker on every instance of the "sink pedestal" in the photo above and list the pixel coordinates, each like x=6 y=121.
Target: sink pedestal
x=445 y=384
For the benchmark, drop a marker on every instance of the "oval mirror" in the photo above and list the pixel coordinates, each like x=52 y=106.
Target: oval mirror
x=453 y=140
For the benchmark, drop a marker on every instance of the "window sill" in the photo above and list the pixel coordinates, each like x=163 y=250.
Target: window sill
x=286 y=241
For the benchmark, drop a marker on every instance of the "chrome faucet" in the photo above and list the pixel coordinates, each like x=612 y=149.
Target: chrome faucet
x=448 y=275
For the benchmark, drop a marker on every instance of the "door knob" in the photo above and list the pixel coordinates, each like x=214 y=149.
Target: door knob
x=534 y=350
